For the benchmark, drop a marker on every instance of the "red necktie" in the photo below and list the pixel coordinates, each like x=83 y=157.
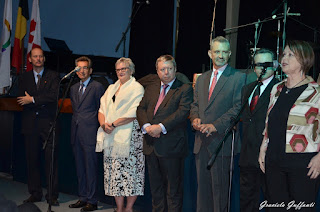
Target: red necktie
x=213 y=84
x=161 y=98
x=255 y=98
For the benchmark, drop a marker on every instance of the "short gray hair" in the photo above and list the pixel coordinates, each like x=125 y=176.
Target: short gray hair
x=220 y=39
x=128 y=62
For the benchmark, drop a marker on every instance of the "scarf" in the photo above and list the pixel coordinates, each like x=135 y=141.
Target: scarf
x=117 y=143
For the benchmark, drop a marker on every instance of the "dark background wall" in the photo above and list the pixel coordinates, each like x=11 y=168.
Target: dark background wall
x=151 y=35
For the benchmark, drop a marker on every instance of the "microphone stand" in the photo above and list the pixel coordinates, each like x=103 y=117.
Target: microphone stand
x=285 y=8
x=233 y=122
x=124 y=34
x=52 y=131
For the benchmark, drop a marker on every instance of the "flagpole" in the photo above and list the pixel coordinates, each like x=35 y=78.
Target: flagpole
x=22 y=57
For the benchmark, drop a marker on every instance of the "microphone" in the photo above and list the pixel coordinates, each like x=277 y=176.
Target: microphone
x=294 y=14
x=288 y=14
x=142 y=2
x=71 y=72
x=274 y=64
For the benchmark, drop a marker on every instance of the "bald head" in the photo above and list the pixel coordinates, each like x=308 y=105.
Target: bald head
x=37 y=59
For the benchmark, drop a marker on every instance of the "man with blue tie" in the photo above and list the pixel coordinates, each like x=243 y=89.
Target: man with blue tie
x=163 y=114
x=85 y=99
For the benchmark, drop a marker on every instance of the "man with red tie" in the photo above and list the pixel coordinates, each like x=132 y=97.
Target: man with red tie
x=217 y=98
x=253 y=118
x=162 y=115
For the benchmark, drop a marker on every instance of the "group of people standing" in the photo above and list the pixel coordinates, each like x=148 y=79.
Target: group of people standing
x=134 y=122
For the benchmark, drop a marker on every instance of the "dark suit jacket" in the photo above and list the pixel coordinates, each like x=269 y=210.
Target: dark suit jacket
x=172 y=113
x=253 y=125
x=84 y=122
x=225 y=103
x=45 y=98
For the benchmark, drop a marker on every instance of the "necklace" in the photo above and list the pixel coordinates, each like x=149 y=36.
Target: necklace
x=289 y=89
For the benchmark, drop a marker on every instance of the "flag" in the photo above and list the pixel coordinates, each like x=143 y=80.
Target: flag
x=35 y=31
x=5 y=45
x=21 y=31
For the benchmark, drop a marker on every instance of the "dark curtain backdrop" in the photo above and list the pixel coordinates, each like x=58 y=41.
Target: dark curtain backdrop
x=195 y=21
x=151 y=35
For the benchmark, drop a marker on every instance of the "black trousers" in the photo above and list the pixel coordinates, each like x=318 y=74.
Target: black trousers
x=290 y=185
x=252 y=181
x=33 y=146
x=166 y=182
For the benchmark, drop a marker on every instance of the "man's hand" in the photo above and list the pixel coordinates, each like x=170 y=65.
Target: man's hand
x=196 y=123
x=24 y=100
x=154 y=130
x=207 y=128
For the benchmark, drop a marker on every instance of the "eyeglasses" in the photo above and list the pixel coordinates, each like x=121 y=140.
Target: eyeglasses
x=84 y=68
x=124 y=69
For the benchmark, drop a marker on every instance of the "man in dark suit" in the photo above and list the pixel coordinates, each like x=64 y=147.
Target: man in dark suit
x=253 y=117
x=85 y=98
x=162 y=115
x=38 y=90
x=217 y=98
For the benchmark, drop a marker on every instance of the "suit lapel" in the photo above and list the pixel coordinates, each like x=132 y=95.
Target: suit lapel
x=154 y=98
x=265 y=96
x=43 y=80
x=248 y=92
x=206 y=84
x=172 y=90
x=86 y=91
x=33 y=82
x=221 y=82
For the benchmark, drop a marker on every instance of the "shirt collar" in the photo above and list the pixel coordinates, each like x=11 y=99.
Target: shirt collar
x=170 y=83
x=221 y=69
x=85 y=83
x=267 y=81
x=36 y=73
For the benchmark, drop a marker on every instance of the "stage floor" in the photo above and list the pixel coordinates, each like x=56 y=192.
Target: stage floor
x=17 y=192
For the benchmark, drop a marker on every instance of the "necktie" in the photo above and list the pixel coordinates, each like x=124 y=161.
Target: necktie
x=161 y=97
x=213 y=84
x=255 y=98
x=38 y=83
x=81 y=90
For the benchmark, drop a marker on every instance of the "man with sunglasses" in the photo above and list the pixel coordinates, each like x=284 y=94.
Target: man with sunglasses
x=253 y=117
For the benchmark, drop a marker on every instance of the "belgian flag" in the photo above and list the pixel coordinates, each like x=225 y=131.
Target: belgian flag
x=21 y=31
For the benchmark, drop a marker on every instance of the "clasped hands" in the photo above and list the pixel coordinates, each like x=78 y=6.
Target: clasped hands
x=154 y=130
x=107 y=127
x=203 y=128
x=24 y=100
